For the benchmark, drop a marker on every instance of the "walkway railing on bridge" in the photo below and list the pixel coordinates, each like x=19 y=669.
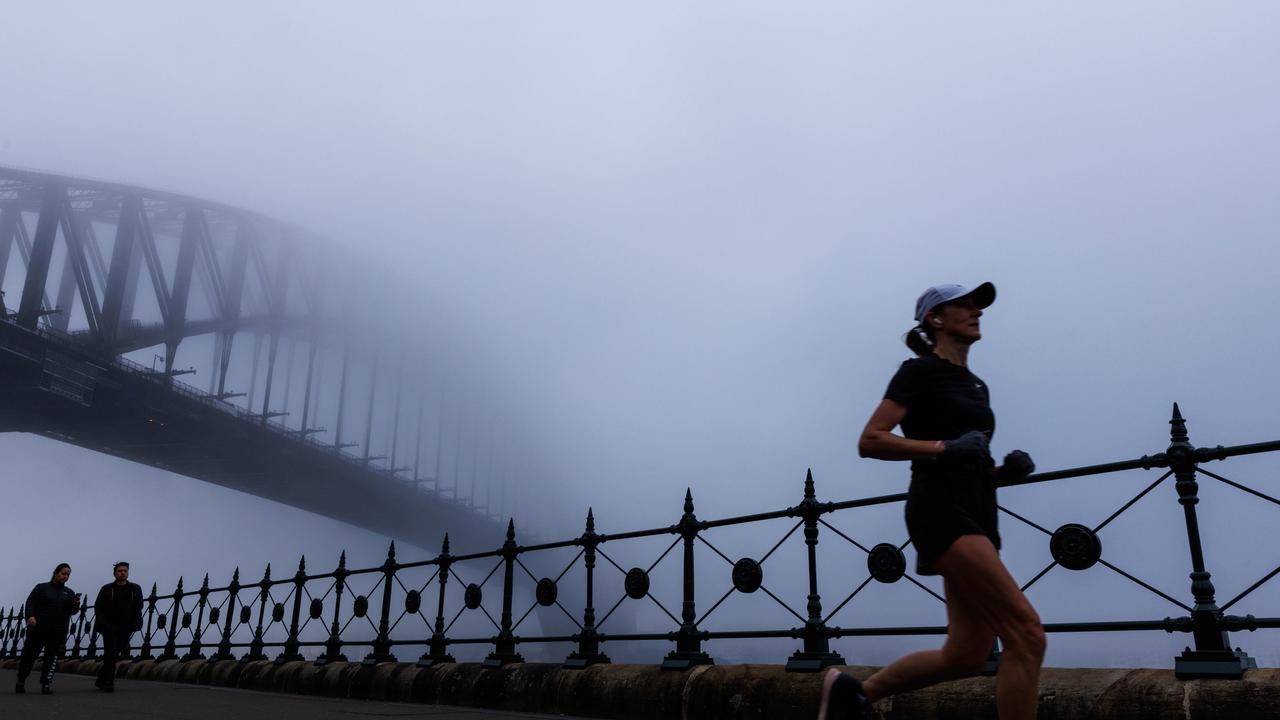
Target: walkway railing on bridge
x=281 y=618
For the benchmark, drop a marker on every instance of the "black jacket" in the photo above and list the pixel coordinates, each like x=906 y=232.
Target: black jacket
x=118 y=607
x=51 y=605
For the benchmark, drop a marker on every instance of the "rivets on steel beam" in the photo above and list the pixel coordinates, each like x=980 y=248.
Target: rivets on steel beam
x=747 y=576
x=1075 y=547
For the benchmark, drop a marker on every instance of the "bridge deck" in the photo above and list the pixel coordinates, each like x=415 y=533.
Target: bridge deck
x=75 y=698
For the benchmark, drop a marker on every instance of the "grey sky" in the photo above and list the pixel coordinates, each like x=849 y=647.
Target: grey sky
x=690 y=237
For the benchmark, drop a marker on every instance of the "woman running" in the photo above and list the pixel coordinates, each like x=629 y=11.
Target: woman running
x=945 y=414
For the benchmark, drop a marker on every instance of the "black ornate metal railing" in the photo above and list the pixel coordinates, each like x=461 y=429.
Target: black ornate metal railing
x=389 y=605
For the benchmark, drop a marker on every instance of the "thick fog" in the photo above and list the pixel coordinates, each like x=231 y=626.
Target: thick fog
x=677 y=246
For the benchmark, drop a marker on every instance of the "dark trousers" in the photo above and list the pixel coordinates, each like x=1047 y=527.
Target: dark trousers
x=52 y=643
x=115 y=643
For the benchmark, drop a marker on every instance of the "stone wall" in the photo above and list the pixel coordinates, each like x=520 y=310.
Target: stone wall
x=729 y=692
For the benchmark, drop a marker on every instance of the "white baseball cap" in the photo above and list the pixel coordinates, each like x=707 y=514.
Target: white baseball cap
x=983 y=296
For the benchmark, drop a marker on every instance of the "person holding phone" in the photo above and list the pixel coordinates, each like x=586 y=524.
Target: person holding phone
x=48 y=612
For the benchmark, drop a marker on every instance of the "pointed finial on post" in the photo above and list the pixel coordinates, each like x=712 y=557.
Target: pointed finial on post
x=205 y=585
x=591 y=521
x=179 y=591
x=391 y=551
x=1178 y=427
x=266 y=576
x=235 y=576
x=511 y=529
x=688 y=500
x=342 y=560
x=302 y=564
x=444 y=547
x=809 y=493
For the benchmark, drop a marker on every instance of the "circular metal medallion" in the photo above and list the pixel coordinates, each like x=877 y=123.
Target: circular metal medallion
x=747 y=576
x=1075 y=547
x=636 y=584
x=214 y=614
x=277 y=612
x=473 y=596
x=412 y=602
x=546 y=592
x=186 y=620
x=886 y=563
x=245 y=614
x=361 y=606
x=161 y=621
x=317 y=607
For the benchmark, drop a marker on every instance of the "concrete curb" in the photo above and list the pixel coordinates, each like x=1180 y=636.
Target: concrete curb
x=728 y=692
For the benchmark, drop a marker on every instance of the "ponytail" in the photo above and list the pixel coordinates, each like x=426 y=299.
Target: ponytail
x=920 y=340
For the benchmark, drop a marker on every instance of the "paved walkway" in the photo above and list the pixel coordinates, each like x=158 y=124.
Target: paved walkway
x=75 y=698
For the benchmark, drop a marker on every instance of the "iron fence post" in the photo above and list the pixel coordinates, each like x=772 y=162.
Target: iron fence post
x=224 y=645
x=504 y=646
x=688 y=652
x=170 y=644
x=1213 y=656
x=255 y=647
x=21 y=635
x=438 y=648
x=92 y=650
x=382 y=645
x=588 y=652
x=9 y=642
x=6 y=624
x=333 y=645
x=78 y=631
x=145 y=652
x=193 y=652
x=291 y=646
x=816 y=654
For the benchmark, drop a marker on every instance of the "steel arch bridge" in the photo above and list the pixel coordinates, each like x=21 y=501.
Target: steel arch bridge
x=105 y=277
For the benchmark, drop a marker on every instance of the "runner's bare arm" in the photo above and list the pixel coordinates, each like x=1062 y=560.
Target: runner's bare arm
x=879 y=441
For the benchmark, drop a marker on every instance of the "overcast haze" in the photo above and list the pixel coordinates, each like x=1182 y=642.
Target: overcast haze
x=687 y=240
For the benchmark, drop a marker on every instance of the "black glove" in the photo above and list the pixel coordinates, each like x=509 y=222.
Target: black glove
x=971 y=448
x=1017 y=466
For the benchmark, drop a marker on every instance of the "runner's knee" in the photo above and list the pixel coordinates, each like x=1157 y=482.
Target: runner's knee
x=965 y=662
x=1026 y=637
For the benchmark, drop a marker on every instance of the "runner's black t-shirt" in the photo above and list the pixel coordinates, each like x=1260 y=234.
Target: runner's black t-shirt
x=943 y=401
x=945 y=500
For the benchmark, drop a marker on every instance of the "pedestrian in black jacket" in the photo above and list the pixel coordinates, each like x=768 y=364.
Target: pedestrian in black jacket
x=48 y=611
x=117 y=615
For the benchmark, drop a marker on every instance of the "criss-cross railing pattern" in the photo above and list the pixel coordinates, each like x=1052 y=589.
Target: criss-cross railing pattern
x=449 y=600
